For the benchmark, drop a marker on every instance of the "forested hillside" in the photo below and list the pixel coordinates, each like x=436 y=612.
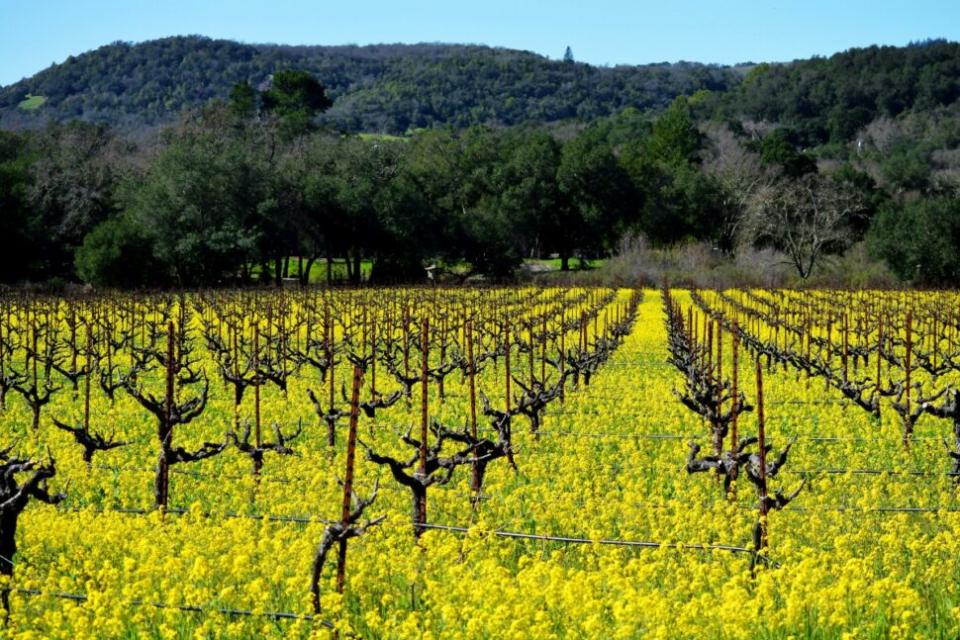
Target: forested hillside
x=830 y=99
x=396 y=88
x=848 y=164
x=382 y=88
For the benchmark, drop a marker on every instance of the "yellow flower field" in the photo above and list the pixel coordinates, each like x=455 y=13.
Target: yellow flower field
x=869 y=548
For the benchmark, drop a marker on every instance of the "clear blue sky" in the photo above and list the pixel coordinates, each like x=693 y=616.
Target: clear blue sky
x=35 y=33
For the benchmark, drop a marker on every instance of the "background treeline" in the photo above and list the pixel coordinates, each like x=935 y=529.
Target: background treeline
x=381 y=88
x=396 y=88
x=768 y=182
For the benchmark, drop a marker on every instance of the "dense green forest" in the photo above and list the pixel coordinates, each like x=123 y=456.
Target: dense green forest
x=851 y=160
x=382 y=88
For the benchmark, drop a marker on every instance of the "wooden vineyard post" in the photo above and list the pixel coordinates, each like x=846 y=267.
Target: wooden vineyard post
x=256 y=388
x=443 y=357
x=73 y=345
x=424 y=426
x=908 y=366
x=719 y=350
x=533 y=352
x=88 y=367
x=236 y=374
x=583 y=332
x=3 y=391
x=829 y=339
x=719 y=379
x=829 y=349
x=936 y=340
x=36 y=379
x=734 y=415
x=166 y=429
x=506 y=364
x=331 y=370
x=543 y=351
x=708 y=338
x=348 y=476
x=763 y=542
x=879 y=348
x=596 y=320
x=735 y=352
x=563 y=356
x=373 y=358
x=471 y=373
x=406 y=342
x=846 y=346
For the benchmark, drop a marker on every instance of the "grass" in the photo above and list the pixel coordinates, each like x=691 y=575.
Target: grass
x=553 y=264
x=32 y=103
x=383 y=136
x=318 y=271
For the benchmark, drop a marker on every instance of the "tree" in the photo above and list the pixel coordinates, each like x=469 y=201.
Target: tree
x=199 y=204
x=14 y=498
x=118 y=253
x=364 y=170
x=323 y=217
x=595 y=195
x=739 y=173
x=677 y=200
x=71 y=191
x=777 y=150
x=16 y=237
x=243 y=101
x=806 y=218
x=568 y=55
x=294 y=98
x=919 y=239
x=458 y=176
x=675 y=139
x=528 y=191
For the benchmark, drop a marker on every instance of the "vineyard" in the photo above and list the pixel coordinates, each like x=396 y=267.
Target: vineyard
x=482 y=463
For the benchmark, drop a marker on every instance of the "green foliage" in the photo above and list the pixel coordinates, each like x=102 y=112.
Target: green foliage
x=294 y=98
x=31 y=103
x=119 y=253
x=16 y=229
x=243 y=101
x=199 y=203
x=872 y=197
x=907 y=166
x=72 y=183
x=595 y=192
x=675 y=199
x=675 y=139
x=778 y=150
x=919 y=240
x=389 y=88
x=830 y=99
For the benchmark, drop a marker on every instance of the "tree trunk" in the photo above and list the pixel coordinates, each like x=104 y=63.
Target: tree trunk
x=305 y=273
x=331 y=428
x=8 y=549
x=564 y=262
x=161 y=481
x=278 y=271
x=419 y=509
x=357 y=275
